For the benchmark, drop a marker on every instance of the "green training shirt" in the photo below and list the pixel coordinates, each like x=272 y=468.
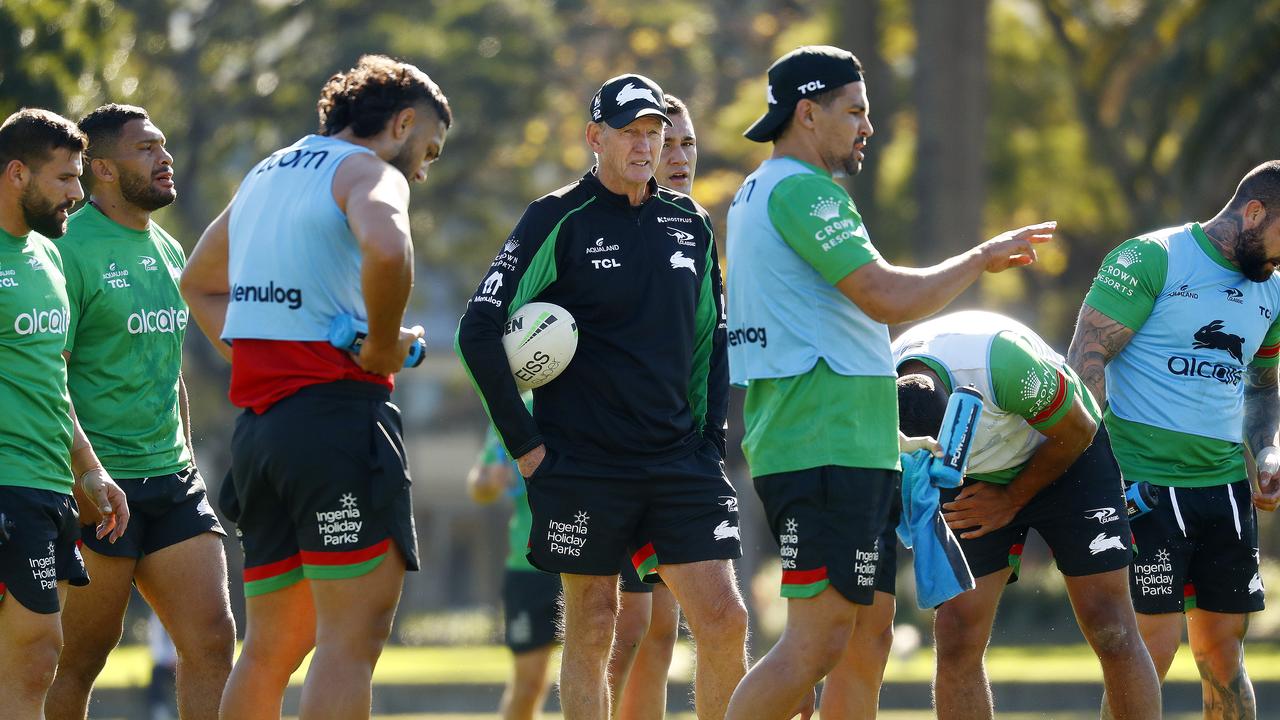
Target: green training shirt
x=128 y=321
x=821 y=417
x=1175 y=392
x=35 y=435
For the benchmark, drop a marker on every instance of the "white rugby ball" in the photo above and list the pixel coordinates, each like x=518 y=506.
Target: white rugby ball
x=540 y=339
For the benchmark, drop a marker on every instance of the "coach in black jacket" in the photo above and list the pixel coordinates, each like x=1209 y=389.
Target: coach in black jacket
x=624 y=450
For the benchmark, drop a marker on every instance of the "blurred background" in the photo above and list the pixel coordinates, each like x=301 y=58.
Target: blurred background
x=1111 y=116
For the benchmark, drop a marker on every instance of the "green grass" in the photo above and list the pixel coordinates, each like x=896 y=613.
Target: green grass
x=130 y=666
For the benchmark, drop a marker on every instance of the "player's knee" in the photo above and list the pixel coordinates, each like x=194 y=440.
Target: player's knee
x=40 y=655
x=210 y=646
x=1220 y=659
x=957 y=639
x=631 y=627
x=725 y=621
x=1112 y=636
x=594 y=625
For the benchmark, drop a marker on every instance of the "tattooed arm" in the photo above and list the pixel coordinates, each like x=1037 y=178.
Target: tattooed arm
x=1098 y=338
x=1261 y=417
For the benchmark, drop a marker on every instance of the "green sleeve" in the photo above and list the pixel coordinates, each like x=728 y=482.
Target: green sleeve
x=1268 y=354
x=819 y=221
x=1028 y=384
x=1129 y=281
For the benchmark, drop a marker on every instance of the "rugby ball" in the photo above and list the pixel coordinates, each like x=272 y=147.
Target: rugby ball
x=540 y=339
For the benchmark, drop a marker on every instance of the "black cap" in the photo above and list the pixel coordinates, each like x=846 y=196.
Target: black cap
x=801 y=73
x=624 y=98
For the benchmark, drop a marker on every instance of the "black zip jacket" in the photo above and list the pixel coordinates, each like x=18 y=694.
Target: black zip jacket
x=649 y=380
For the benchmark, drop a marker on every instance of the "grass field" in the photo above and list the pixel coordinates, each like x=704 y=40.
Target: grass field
x=130 y=666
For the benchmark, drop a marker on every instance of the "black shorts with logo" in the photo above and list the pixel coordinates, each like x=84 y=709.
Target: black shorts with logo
x=163 y=510
x=1081 y=517
x=319 y=486
x=530 y=609
x=828 y=522
x=589 y=516
x=887 y=545
x=41 y=550
x=1198 y=548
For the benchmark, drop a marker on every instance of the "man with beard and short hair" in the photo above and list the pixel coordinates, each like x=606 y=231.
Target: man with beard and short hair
x=1179 y=338
x=319 y=485
x=124 y=367
x=821 y=412
x=648 y=615
x=45 y=458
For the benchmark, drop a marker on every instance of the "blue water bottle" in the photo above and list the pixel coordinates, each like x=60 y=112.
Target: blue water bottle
x=1140 y=498
x=959 y=425
x=347 y=333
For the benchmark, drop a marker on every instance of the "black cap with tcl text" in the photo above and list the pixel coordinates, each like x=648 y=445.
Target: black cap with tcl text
x=623 y=99
x=803 y=72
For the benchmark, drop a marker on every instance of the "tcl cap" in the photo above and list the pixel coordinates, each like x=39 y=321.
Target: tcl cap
x=624 y=98
x=801 y=73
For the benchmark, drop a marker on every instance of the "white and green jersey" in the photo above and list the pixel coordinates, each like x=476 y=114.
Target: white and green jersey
x=35 y=435
x=819 y=375
x=128 y=321
x=1028 y=387
x=1176 y=392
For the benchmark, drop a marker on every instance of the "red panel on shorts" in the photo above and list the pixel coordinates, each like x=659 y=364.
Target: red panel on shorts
x=264 y=372
x=270 y=570
x=345 y=557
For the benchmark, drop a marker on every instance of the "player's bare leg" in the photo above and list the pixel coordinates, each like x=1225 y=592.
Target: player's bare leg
x=29 y=647
x=645 y=694
x=280 y=629
x=527 y=692
x=92 y=623
x=1162 y=634
x=1104 y=612
x=634 y=612
x=814 y=639
x=961 y=630
x=590 y=611
x=708 y=593
x=852 y=688
x=186 y=585
x=1217 y=642
x=353 y=622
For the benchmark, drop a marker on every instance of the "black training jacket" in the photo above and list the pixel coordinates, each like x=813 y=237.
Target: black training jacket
x=650 y=376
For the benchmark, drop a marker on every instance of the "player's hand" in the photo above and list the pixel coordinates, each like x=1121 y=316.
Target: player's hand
x=388 y=358
x=530 y=461
x=982 y=506
x=1015 y=247
x=912 y=444
x=1267 y=495
x=808 y=705
x=104 y=504
x=486 y=483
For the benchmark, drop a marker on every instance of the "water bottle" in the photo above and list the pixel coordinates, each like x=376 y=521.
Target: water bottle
x=1140 y=498
x=348 y=333
x=959 y=425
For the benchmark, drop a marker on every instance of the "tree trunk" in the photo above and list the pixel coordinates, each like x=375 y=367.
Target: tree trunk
x=950 y=92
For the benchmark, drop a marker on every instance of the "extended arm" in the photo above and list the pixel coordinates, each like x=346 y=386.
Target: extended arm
x=891 y=294
x=1097 y=339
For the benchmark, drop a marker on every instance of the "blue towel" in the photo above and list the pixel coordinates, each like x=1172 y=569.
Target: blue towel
x=940 y=567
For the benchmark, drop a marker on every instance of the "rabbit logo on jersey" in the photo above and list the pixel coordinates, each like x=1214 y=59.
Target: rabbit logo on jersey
x=165 y=320
x=42 y=322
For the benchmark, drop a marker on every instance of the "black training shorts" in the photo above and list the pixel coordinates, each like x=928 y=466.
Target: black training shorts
x=163 y=510
x=41 y=550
